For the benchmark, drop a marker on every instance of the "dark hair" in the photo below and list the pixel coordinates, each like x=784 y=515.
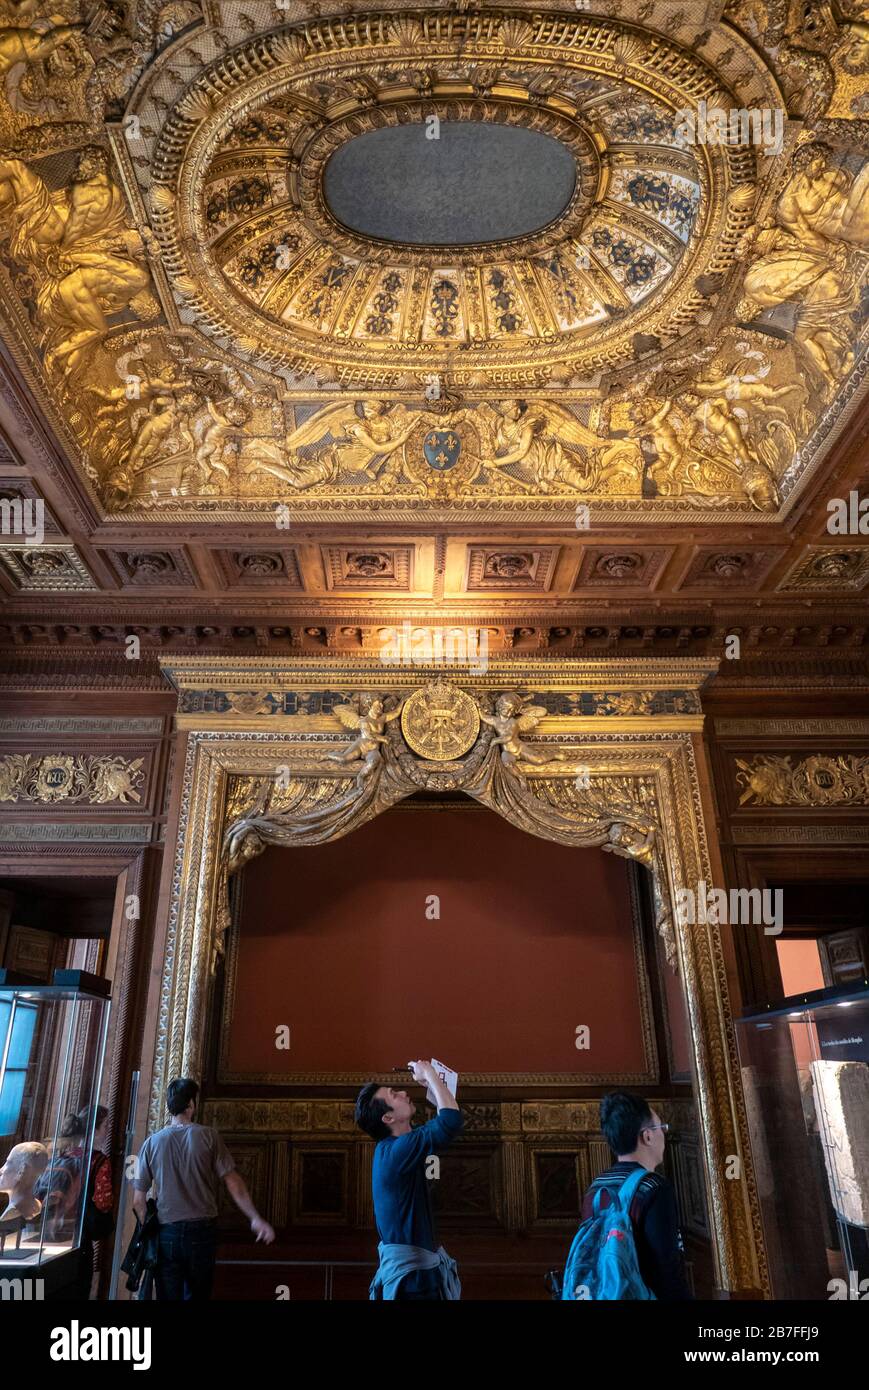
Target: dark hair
x=76 y=1126
x=622 y=1116
x=370 y=1110
x=180 y=1093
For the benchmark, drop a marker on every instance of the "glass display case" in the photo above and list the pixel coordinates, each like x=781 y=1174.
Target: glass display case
x=52 y=1044
x=805 y=1074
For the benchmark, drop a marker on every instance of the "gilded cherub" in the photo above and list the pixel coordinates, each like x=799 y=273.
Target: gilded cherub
x=164 y=416
x=367 y=718
x=655 y=420
x=215 y=431
x=161 y=425
x=514 y=716
x=737 y=411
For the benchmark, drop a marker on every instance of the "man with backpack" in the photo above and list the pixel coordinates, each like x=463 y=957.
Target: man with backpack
x=628 y=1245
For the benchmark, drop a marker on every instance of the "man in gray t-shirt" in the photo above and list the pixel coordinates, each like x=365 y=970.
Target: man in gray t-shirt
x=184 y=1164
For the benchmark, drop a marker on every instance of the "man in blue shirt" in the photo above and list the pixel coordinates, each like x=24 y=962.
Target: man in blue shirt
x=412 y=1265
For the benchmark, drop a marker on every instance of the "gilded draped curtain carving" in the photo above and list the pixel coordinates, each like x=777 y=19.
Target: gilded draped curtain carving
x=619 y=814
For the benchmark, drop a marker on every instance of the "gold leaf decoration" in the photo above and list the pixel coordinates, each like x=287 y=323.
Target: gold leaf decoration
x=742 y=198
x=515 y=33
x=289 y=48
x=162 y=198
x=821 y=780
x=628 y=48
x=196 y=105
x=66 y=777
x=406 y=30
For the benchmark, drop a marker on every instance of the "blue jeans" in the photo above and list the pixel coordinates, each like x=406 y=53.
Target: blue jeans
x=185 y=1269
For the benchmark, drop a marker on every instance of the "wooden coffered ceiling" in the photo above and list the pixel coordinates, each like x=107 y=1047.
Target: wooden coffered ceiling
x=253 y=429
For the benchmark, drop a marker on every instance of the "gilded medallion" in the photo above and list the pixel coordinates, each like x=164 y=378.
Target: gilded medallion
x=440 y=722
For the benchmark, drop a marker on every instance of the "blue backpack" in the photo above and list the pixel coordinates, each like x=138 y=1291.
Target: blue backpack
x=602 y=1263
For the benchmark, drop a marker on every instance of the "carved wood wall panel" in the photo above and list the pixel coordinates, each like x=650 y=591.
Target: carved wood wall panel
x=792 y=808
x=508 y=1171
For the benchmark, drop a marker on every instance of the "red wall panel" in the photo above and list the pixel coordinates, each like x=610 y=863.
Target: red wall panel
x=533 y=940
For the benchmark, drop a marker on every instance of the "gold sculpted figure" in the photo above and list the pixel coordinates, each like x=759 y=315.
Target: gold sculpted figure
x=632 y=841
x=806 y=258
x=92 y=264
x=721 y=429
x=26 y=46
x=215 y=433
x=823 y=204
x=160 y=419
x=167 y=417
x=545 y=438
x=514 y=716
x=368 y=719
x=339 y=439
x=654 y=420
x=243 y=845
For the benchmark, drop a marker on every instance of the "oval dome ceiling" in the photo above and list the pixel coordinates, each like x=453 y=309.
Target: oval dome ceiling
x=449 y=183
x=658 y=345
x=560 y=219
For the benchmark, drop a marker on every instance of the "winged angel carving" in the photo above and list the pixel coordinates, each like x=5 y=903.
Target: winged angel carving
x=365 y=439
x=359 y=437
x=559 y=452
x=515 y=716
x=367 y=718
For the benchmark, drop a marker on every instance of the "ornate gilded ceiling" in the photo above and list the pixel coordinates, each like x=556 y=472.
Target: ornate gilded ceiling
x=681 y=341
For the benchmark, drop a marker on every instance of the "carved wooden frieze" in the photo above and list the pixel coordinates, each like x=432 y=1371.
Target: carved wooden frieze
x=68 y=777
x=822 y=780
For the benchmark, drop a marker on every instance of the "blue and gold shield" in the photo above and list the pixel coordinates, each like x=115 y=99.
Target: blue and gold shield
x=442 y=449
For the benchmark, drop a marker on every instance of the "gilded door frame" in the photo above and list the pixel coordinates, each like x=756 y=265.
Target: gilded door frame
x=233 y=715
